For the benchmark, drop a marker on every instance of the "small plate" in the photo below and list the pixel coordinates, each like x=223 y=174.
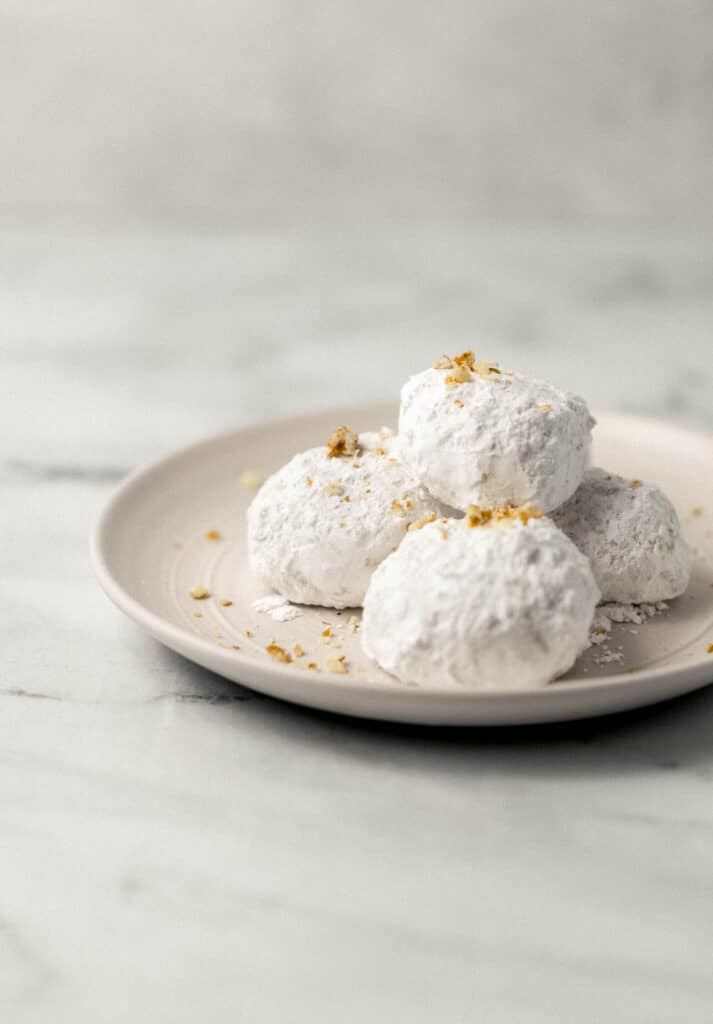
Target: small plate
x=150 y=548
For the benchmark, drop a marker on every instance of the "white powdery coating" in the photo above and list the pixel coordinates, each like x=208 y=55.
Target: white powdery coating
x=631 y=536
x=311 y=544
x=486 y=608
x=502 y=445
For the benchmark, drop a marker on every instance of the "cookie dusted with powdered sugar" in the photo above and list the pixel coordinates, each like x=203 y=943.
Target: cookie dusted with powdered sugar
x=319 y=527
x=475 y=434
x=494 y=601
x=631 y=535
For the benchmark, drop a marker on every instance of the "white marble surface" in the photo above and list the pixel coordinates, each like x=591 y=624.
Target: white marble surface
x=175 y=849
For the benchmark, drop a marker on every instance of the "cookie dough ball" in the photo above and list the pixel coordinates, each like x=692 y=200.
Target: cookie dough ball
x=474 y=434
x=497 y=601
x=319 y=527
x=631 y=535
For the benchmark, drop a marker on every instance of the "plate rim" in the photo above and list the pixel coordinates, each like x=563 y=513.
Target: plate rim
x=696 y=675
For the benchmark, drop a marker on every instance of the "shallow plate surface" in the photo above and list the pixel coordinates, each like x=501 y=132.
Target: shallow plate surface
x=150 y=549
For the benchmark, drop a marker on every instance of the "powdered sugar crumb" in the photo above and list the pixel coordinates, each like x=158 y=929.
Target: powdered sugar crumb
x=277 y=607
x=607 y=615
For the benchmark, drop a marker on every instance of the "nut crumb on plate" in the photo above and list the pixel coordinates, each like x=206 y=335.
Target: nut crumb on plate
x=336 y=664
x=250 y=480
x=278 y=653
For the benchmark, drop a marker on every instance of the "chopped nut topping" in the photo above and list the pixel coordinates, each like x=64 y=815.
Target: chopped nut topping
x=334 y=490
x=312 y=665
x=476 y=516
x=310 y=481
x=213 y=535
x=236 y=647
x=342 y=442
x=278 y=654
x=709 y=649
x=635 y=484
x=250 y=480
x=199 y=593
x=484 y=368
x=336 y=664
x=545 y=407
x=444 y=532
x=464 y=366
x=460 y=375
x=444 y=363
x=457 y=401
x=225 y=604
x=423 y=521
x=248 y=633
x=347 y=498
x=297 y=651
x=197 y=615
x=327 y=631
x=397 y=508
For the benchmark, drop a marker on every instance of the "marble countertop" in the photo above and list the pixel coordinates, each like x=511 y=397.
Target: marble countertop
x=174 y=848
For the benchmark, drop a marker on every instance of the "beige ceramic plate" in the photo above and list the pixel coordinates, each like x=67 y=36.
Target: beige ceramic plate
x=150 y=548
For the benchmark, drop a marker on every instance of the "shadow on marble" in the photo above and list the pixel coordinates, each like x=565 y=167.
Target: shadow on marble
x=674 y=734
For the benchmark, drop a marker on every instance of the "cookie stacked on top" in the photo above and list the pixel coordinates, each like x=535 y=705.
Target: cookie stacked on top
x=478 y=540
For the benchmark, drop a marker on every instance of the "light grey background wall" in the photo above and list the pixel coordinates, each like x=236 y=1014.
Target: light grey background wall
x=254 y=111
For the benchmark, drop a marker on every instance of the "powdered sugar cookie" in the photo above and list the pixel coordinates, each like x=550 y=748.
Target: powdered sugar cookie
x=493 y=601
x=631 y=535
x=474 y=434
x=319 y=527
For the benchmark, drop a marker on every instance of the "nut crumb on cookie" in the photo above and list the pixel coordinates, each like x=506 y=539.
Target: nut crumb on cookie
x=343 y=442
x=476 y=516
x=199 y=593
x=423 y=521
